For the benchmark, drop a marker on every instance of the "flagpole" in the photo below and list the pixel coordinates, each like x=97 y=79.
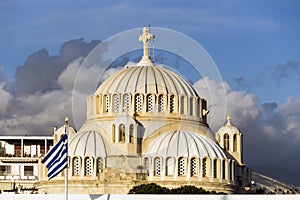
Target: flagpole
x=66 y=170
x=66 y=182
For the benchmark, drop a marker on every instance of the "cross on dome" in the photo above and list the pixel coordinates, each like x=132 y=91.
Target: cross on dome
x=67 y=120
x=146 y=37
x=228 y=120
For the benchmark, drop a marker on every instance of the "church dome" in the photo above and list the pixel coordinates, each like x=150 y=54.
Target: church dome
x=146 y=90
x=61 y=130
x=87 y=143
x=184 y=143
x=147 y=79
x=228 y=128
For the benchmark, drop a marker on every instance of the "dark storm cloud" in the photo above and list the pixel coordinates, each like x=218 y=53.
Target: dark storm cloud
x=286 y=70
x=270 y=131
x=269 y=107
x=40 y=71
x=271 y=140
x=41 y=95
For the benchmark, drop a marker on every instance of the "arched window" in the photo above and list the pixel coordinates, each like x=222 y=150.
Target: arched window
x=97 y=104
x=131 y=129
x=116 y=103
x=150 y=103
x=170 y=166
x=100 y=165
x=172 y=104
x=234 y=143
x=181 y=166
x=223 y=169
x=182 y=105
x=215 y=168
x=126 y=102
x=191 y=106
x=92 y=105
x=122 y=133
x=113 y=133
x=157 y=169
x=161 y=103
x=226 y=142
x=106 y=102
x=204 y=167
x=146 y=164
x=233 y=171
x=197 y=108
x=76 y=166
x=193 y=167
x=88 y=166
x=138 y=102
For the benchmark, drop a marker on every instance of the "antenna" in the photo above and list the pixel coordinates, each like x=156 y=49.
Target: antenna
x=152 y=43
x=153 y=50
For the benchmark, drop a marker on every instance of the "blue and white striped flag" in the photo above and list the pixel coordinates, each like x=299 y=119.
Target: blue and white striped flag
x=57 y=158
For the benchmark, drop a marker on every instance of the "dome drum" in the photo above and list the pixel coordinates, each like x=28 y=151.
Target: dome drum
x=146 y=105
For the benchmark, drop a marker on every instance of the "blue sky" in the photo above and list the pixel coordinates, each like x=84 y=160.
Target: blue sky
x=246 y=39
x=254 y=43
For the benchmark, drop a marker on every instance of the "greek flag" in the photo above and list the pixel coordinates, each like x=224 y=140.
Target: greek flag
x=57 y=158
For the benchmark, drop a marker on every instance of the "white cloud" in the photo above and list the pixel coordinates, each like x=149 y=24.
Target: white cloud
x=222 y=101
x=5 y=98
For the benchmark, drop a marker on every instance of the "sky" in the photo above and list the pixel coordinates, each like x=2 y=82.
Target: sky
x=255 y=45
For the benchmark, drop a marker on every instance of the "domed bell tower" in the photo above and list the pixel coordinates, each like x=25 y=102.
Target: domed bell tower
x=59 y=132
x=231 y=140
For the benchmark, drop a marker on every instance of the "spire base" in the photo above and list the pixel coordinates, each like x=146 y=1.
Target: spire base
x=145 y=61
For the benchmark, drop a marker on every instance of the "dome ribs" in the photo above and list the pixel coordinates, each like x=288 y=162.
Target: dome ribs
x=170 y=139
x=181 y=81
x=146 y=80
x=164 y=82
x=155 y=80
x=163 y=143
x=103 y=144
x=194 y=144
x=141 y=82
x=118 y=89
x=138 y=78
x=76 y=146
x=173 y=85
x=110 y=81
x=127 y=81
x=184 y=143
x=86 y=142
x=187 y=145
x=95 y=144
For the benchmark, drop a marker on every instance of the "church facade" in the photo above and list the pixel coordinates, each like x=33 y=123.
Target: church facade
x=147 y=124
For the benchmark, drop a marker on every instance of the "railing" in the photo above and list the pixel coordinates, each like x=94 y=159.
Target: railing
x=18 y=177
x=18 y=153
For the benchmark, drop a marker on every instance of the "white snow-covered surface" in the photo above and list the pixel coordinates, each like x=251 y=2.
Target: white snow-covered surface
x=273 y=186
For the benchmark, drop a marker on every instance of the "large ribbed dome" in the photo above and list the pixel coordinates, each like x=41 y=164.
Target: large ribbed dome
x=87 y=143
x=184 y=143
x=147 y=79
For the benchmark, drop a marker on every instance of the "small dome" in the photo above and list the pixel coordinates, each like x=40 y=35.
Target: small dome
x=87 y=143
x=61 y=130
x=147 y=79
x=228 y=128
x=184 y=143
